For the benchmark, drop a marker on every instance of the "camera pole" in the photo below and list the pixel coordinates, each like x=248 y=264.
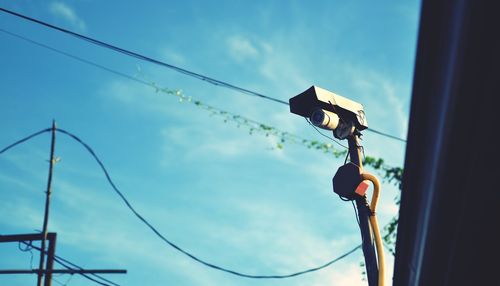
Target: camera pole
x=364 y=214
x=346 y=118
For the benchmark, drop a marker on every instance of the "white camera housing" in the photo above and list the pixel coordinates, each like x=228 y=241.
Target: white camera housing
x=321 y=106
x=330 y=121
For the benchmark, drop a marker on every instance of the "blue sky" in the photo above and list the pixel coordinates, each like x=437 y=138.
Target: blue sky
x=230 y=198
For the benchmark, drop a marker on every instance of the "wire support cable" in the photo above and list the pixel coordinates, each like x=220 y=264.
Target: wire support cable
x=76 y=58
x=142 y=57
x=178 y=248
x=278 y=133
x=25 y=139
x=157 y=232
x=145 y=58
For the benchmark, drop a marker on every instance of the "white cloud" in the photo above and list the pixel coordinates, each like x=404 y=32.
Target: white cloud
x=173 y=57
x=280 y=70
x=285 y=231
x=293 y=238
x=400 y=112
x=67 y=13
x=241 y=48
x=201 y=130
x=21 y=213
x=384 y=97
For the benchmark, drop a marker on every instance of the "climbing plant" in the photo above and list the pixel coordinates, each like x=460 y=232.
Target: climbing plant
x=389 y=174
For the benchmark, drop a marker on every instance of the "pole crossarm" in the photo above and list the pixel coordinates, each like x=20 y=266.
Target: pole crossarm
x=23 y=237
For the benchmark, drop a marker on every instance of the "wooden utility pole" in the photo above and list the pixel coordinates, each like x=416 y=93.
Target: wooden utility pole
x=47 y=206
x=45 y=236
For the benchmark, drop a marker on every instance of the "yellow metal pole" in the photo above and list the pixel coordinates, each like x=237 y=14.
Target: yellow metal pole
x=375 y=228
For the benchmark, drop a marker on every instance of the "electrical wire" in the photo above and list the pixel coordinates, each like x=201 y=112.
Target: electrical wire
x=145 y=58
x=28 y=248
x=24 y=139
x=56 y=259
x=326 y=136
x=138 y=80
x=63 y=262
x=77 y=58
x=167 y=65
x=173 y=245
x=386 y=135
x=356 y=213
x=60 y=283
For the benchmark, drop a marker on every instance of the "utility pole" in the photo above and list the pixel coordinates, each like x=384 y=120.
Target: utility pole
x=47 y=207
x=44 y=273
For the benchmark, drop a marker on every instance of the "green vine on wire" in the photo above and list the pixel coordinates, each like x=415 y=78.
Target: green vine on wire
x=389 y=174
x=253 y=127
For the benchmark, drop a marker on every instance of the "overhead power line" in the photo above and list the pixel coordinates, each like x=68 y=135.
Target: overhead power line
x=90 y=277
x=77 y=58
x=146 y=58
x=253 y=125
x=228 y=115
x=173 y=245
x=66 y=263
x=167 y=65
x=158 y=233
x=24 y=139
x=238 y=119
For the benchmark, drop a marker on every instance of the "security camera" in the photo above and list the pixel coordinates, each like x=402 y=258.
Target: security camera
x=330 y=111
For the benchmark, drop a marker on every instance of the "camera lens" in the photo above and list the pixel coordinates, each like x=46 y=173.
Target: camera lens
x=317 y=117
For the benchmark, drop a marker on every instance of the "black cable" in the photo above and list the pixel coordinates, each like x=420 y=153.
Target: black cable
x=170 y=66
x=58 y=282
x=368 y=242
x=173 y=245
x=322 y=134
x=63 y=262
x=346 y=156
x=146 y=58
x=96 y=65
x=60 y=276
x=386 y=135
x=90 y=150
x=356 y=213
x=75 y=57
x=56 y=259
x=28 y=248
x=24 y=139
x=59 y=259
